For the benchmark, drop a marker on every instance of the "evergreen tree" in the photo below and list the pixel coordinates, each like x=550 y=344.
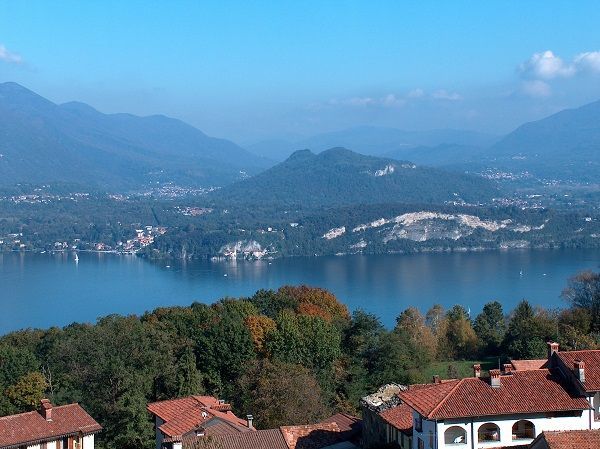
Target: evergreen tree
x=189 y=379
x=490 y=327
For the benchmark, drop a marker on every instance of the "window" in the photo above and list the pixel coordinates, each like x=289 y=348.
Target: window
x=488 y=432
x=420 y=443
x=455 y=435
x=418 y=423
x=523 y=430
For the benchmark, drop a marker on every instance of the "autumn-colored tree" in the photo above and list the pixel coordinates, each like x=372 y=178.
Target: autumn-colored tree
x=259 y=326
x=29 y=390
x=311 y=299
x=412 y=323
x=456 y=337
x=434 y=317
x=278 y=393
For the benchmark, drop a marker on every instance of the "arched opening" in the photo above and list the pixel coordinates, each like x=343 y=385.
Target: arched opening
x=455 y=435
x=488 y=432
x=523 y=430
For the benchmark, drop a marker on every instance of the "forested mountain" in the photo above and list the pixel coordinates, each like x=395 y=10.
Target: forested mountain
x=45 y=142
x=341 y=177
x=566 y=144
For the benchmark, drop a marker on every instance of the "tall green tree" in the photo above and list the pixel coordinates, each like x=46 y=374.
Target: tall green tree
x=490 y=327
x=189 y=379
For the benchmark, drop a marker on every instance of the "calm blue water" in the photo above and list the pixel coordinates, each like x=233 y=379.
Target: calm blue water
x=42 y=290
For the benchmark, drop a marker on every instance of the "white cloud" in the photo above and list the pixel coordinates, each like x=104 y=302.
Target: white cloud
x=546 y=65
x=536 y=88
x=443 y=94
x=392 y=101
x=588 y=61
x=416 y=93
x=389 y=100
x=8 y=56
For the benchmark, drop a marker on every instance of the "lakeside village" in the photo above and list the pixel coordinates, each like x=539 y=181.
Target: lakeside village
x=551 y=403
x=143 y=237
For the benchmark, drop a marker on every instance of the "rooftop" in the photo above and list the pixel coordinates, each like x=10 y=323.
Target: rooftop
x=32 y=427
x=535 y=391
x=400 y=417
x=591 y=358
x=525 y=365
x=568 y=439
x=338 y=430
x=186 y=414
x=261 y=439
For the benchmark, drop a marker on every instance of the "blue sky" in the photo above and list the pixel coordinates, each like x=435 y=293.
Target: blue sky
x=252 y=70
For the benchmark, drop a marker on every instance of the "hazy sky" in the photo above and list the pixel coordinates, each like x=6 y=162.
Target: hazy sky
x=251 y=70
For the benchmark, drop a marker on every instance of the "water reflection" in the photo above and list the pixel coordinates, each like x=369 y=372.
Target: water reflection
x=40 y=290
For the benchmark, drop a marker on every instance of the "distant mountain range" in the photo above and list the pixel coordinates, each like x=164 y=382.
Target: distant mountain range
x=338 y=177
x=373 y=140
x=42 y=142
x=565 y=145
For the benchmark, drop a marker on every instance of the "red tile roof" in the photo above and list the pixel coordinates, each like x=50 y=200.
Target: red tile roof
x=345 y=422
x=67 y=420
x=591 y=358
x=526 y=365
x=337 y=428
x=568 y=439
x=400 y=417
x=534 y=391
x=183 y=415
x=261 y=439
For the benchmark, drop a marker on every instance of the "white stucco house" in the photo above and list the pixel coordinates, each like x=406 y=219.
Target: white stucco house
x=512 y=407
x=51 y=427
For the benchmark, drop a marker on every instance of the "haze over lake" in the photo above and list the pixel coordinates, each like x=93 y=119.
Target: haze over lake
x=43 y=290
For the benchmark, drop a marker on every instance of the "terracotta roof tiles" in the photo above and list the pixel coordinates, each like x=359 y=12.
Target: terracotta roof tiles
x=520 y=392
x=591 y=358
x=184 y=415
x=568 y=439
x=526 y=365
x=400 y=417
x=336 y=429
x=31 y=427
x=261 y=439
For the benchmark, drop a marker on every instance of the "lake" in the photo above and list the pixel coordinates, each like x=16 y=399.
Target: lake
x=42 y=290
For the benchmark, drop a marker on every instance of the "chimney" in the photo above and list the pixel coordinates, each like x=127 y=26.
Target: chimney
x=579 y=368
x=250 y=418
x=436 y=379
x=552 y=348
x=508 y=368
x=495 y=381
x=46 y=409
x=477 y=370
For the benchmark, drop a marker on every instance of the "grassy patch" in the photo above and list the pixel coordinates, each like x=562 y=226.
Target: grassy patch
x=459 y=369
